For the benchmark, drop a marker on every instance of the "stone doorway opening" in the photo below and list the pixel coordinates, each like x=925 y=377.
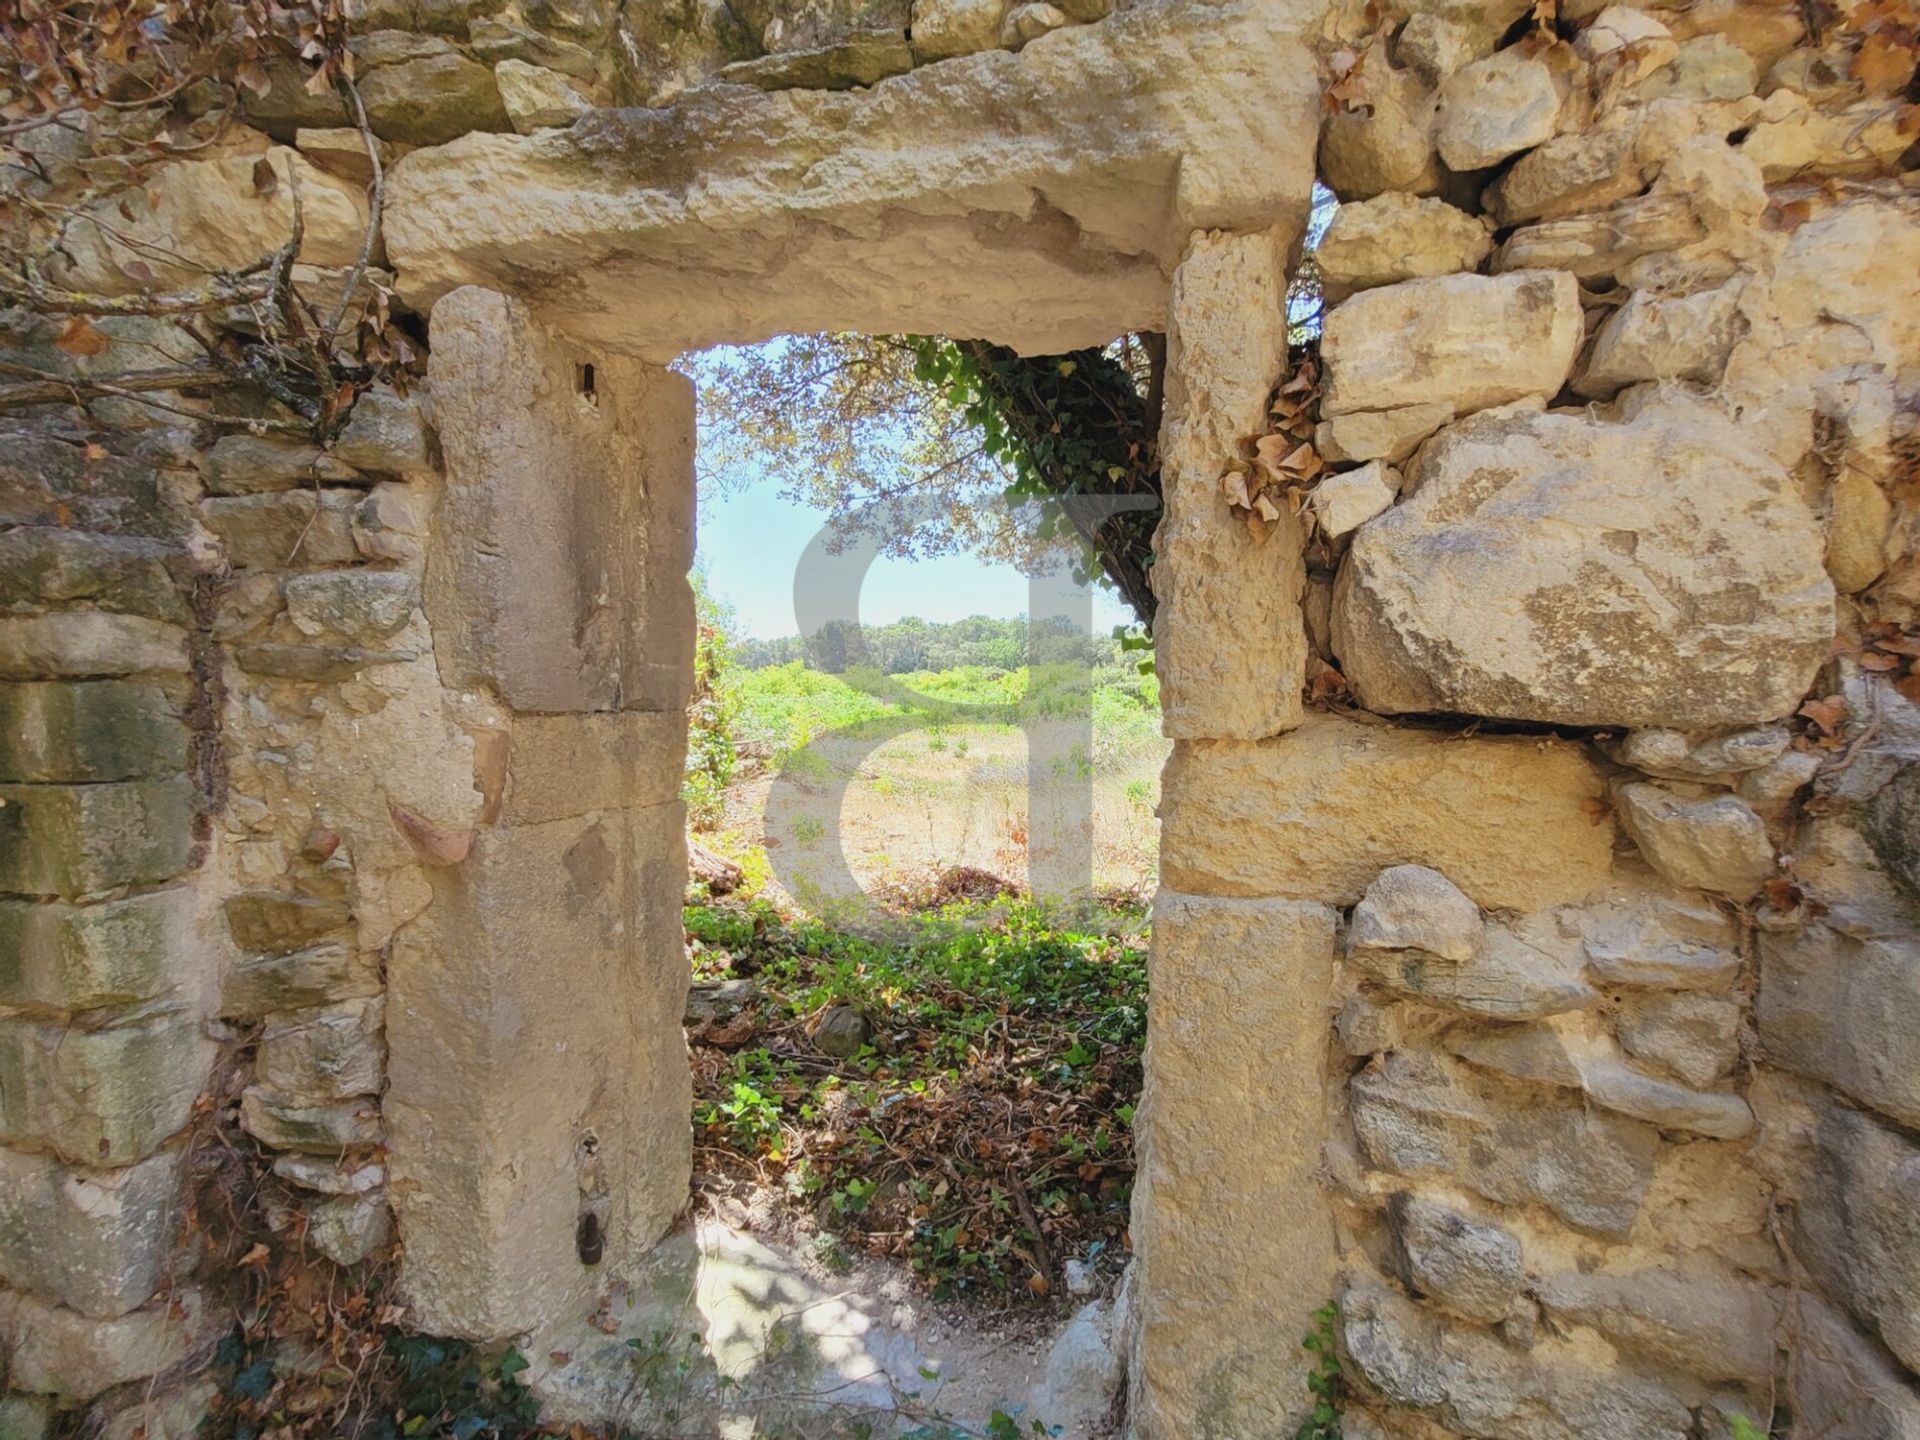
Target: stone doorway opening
x=539 y=1081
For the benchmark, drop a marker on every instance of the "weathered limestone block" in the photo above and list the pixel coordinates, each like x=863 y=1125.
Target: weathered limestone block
x=1664 y=337
x=1795 y=140
x=277 y=922
x=1704 y=1325
x=1471 y=1382
x=328 y=1176
x=390 y=523
x=432 y=98
x=56 y=956
x=1771 y=786
x=491 y=1034
x=43 y=565
x=1087 y=218
x=1697 y=1037
x=361 y=606
x=347 y=1229
x=1660 y=942
x=47 y=482
x=1386 y=144
x=1542 y=1054
x=1483 y=24
x=284 y=529
x=54 y=1351
x=562 y=766
x=1494 y=108
x=1707 y=67
x=1387 y=435
x=862 y=59
x=1369 y=1023
x=387 y=434
x=79 y=839
x=27 y=1417
x=314 y=664
x=1575 y=538
x=1678 y=755
x=1344 y=502
x=283 y=1123
x=1433 y=47
x=1893 y=826
x=1418 y=1113
x=493 y=39
x=330 y=1052
x=538 y=98
x=1860 y=536
x=1567 y=176
x=1521 y=971
x=1320 y=812
x=249 y=464
x=107 y=1096
x=558 y=570
x=1397 y=237
x=1856 y=1226
x=298 y=979
x=1860 y=260
x=80 y=644
x=1231 y=641
x=1409 y=907
x=1842 y=1383
x=943 y=29
x=341 y=150
x=96 y=1241
x=1231 y=1117
x=781 y=25
x=1845 y=1010
x=1594 y=246
x=101 y=730
x=1618 y=27
x=1715 y=842
x=1471 y=1268
x=1469 y=341
x=586 y=20
x=209 y=214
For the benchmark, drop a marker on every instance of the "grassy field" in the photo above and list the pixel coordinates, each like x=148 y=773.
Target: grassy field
x=905 y=775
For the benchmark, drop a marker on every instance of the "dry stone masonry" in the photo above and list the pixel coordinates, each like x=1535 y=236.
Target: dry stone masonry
x=1536 y=970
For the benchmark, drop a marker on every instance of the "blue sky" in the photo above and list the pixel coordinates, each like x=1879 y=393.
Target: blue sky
x=750 y=540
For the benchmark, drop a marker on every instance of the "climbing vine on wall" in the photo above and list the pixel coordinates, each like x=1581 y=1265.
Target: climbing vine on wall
x=1067 y=426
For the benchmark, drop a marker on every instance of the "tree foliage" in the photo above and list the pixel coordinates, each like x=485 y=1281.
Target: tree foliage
x=876 y=430
x=912 y=644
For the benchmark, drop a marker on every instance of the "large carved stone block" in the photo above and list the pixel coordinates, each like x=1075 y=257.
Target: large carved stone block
x=558 y=569
x=78 y=839
x=538 y=1070
x=93 y=731
x=96 y=1241
x=56 y=956
x=1318 y=813
x=1234 y=1238
x=100 y=1096
x=1038 y=199
x=1231 y=642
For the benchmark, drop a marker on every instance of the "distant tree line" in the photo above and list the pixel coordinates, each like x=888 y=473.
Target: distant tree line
x=914 y=644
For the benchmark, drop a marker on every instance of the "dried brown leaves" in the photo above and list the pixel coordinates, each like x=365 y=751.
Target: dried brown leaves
x=1284 y=465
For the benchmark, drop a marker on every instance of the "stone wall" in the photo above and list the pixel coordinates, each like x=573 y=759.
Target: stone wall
x=1607 y=946
x=1535 y=971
